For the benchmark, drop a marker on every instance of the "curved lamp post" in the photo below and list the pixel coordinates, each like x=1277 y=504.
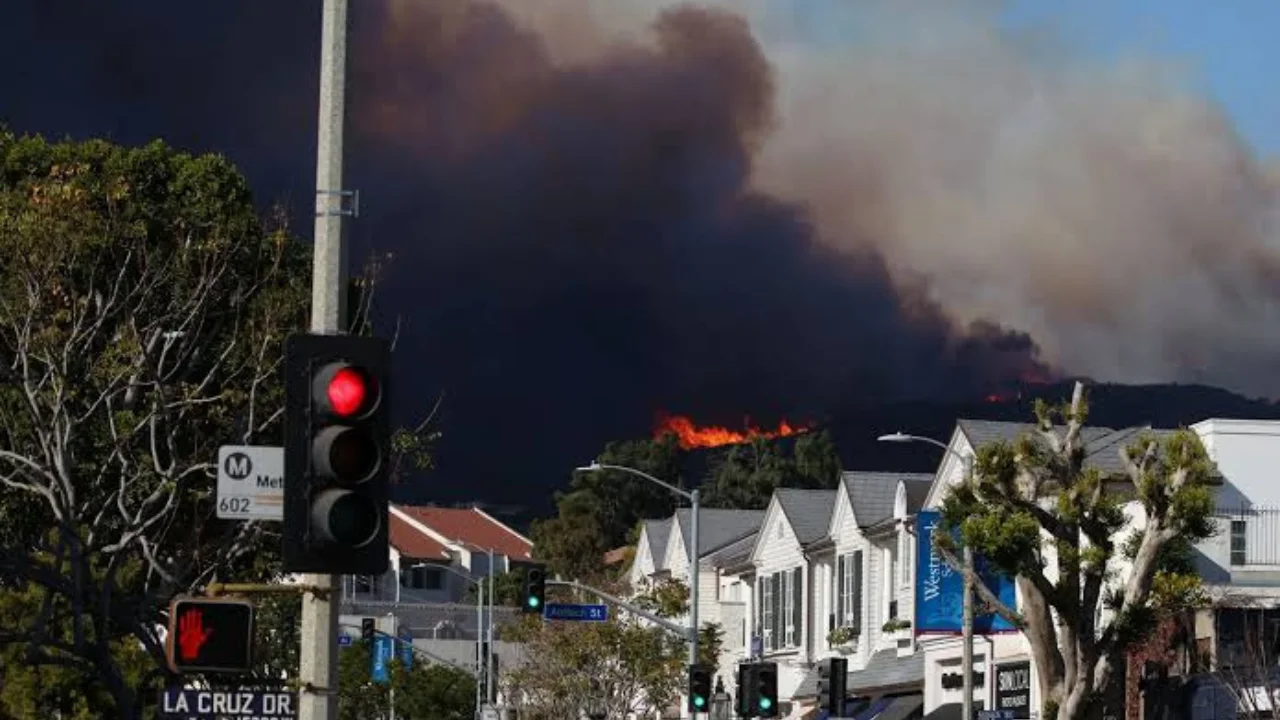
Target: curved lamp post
x=483 y=667
x=967 y=621
x=692 y=496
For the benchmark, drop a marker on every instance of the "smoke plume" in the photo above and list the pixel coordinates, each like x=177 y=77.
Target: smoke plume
x=599 y=209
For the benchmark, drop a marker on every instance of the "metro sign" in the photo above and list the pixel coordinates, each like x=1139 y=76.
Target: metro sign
x=210 y=635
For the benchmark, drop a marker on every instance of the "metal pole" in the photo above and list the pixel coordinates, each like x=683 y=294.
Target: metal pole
x=488 y=659
x=693 y=582
x=479 y=642
x=967 y=621
x=318 y=660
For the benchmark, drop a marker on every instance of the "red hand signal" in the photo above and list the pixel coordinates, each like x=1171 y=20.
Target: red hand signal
x=192 y=633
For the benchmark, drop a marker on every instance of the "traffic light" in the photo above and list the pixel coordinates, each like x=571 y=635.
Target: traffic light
x=337 y=440
x=699 y=688
x=766 y=692
x=533 y=595
x=747 y=691
x=210 y=635
x=368 y=629
x=833 y=679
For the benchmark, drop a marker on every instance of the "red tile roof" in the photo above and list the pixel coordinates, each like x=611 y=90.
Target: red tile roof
x=471 y=527
x=413 y=543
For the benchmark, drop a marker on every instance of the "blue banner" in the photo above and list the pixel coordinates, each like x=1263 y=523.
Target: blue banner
x=383 y=649
x=940 y=588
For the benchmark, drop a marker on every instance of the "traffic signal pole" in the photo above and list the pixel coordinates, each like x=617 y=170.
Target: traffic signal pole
x=318 y=659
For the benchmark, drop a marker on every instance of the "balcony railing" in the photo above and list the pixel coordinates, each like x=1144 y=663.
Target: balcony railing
x=1253 y=535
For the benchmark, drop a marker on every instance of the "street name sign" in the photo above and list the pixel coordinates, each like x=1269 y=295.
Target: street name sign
x=250 y=482
x=344 y=641
x=577 y=613
x=995 y=714
x=186 y=704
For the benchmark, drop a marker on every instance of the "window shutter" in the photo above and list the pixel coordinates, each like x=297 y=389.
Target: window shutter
x=779 y=625
x=857 y=591
x=797 y=604
x=838 y=587
x=759 y=629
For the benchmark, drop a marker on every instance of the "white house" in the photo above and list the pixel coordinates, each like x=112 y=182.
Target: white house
x=862 y=592
x=434 y=550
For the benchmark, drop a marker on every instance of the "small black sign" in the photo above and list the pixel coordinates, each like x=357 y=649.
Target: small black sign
x=1013 y=688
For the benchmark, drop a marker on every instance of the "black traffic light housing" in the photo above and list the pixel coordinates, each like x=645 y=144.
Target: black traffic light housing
x=746 y=696
x=533 y=593
x=766 y=690
x=337 y=441
x=368 y=629
x=699 y=689
x=833 y=680
x=210 y=635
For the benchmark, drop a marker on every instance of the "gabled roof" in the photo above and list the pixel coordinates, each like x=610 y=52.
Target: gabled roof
x=917 y=492
x=657 y=532
x=411 y=542
x=1102 y=444
x=718 y=527
x=733 y=554
x=471 y=528
x=807 y=511
x=872 y=494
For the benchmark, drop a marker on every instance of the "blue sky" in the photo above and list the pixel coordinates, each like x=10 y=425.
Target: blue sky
x=1232 y=46
x=1229 y=48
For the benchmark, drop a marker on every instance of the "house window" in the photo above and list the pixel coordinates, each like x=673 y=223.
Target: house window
x=893 y=565
x=1238 y=544
x=849 y=599
x=364 y=584
x=904 y=553
x=421 y=577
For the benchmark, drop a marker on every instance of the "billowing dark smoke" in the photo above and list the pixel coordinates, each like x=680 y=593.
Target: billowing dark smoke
x=586 y=228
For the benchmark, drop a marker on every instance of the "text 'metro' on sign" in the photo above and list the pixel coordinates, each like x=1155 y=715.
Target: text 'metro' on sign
x=210 y=635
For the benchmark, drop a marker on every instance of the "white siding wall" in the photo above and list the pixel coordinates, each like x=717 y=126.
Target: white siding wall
x=849 y=539
x=777 y=550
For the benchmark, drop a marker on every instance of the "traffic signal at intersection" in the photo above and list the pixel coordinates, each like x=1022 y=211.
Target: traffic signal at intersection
x=833 y=679
x=699 y=688
x=533 y=594
x=766 y=690
x=745 y=696
x=337 y=440
x=210 y=635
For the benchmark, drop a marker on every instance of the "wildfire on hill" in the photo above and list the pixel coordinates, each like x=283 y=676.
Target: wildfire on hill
x=691 y=435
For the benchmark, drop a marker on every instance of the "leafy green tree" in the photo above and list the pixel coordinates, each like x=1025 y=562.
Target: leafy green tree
x=600 y=509
x=507 y=589
x=143 y=306
x=424 y=691
x=1036 y=512
x=745 y=475
x=620 y=668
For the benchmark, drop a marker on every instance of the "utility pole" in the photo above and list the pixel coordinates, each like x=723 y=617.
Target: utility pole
x=489 y=680
x=693 y=577
x=318 y=661
x=966 y=663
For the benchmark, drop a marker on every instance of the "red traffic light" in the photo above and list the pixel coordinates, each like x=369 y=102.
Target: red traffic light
x=345 y=391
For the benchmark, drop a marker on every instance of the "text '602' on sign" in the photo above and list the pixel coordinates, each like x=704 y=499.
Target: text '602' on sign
x=250 y=482
x=210 y=635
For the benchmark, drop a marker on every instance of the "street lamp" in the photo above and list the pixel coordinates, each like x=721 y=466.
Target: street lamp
x=966 y=667
x=692 y=496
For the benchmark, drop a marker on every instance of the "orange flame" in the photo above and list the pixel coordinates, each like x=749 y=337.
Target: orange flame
x=691 y=436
